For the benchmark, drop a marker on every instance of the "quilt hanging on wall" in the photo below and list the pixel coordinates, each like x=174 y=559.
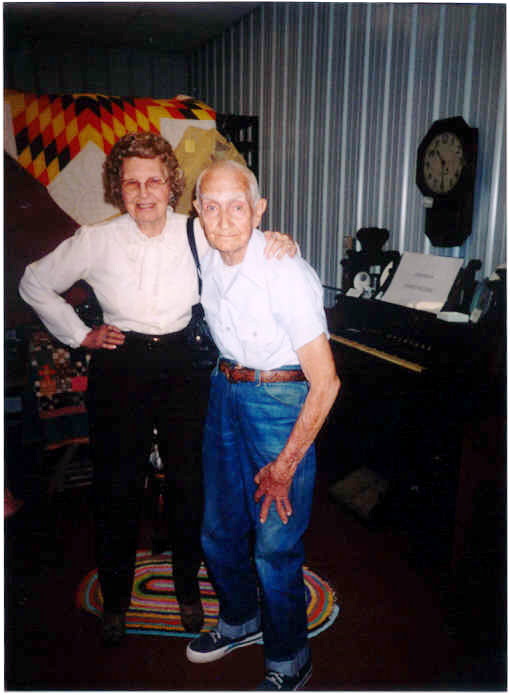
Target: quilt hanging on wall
x=62 y=141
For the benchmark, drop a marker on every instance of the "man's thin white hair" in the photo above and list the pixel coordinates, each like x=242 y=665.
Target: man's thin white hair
x=249 y=176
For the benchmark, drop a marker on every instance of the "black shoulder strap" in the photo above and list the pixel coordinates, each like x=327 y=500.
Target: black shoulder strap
x=193 y=247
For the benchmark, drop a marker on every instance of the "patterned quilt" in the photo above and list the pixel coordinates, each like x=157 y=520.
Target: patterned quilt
x=62 y=140
x=57 y=383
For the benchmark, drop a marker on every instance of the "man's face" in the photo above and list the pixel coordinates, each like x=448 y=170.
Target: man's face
x=227 y=213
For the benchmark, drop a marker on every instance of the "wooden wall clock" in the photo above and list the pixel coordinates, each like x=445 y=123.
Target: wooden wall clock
x=445 y=174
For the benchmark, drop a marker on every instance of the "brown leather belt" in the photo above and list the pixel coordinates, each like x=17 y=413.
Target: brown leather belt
x=236 y=373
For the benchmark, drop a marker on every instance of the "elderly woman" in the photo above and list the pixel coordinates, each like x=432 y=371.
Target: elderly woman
x=143 y=274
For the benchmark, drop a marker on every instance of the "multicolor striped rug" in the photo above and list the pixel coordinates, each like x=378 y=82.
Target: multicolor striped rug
x=154 y=609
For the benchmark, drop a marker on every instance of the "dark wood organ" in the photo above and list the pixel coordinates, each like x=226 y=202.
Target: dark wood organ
x=410 y=383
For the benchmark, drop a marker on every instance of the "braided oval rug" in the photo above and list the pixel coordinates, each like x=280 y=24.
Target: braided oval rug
x=154 y=609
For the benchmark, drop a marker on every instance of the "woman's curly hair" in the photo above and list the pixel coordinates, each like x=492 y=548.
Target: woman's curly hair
x=145 y=146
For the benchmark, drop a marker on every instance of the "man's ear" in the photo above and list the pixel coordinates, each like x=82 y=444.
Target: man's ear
x=196 y=205
x=259 y=210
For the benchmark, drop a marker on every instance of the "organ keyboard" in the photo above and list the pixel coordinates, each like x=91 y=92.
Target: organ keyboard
x=412 y=339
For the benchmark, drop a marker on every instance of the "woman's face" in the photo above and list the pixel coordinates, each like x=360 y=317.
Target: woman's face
x=147 y=205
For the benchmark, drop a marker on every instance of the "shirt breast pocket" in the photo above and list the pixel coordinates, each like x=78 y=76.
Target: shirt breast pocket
x=259 y=337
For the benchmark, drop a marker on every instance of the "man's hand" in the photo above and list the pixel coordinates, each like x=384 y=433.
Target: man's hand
x=107 y=337
x=274 y=480
x=275 y=485
x=279 y=245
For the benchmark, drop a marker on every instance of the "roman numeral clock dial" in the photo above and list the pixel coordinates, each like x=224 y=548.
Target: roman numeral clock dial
x=445 y=174
x=444 y=159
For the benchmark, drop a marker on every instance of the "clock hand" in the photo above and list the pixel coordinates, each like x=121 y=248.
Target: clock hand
x=443 y=164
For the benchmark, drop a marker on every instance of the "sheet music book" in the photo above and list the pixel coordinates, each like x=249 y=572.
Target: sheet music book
x=423 y=281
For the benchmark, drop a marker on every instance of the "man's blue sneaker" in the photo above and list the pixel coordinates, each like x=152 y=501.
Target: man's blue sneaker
x=275 y=680
x=210 y=646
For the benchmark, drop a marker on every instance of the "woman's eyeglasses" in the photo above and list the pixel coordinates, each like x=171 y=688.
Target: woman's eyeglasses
x=132 y=186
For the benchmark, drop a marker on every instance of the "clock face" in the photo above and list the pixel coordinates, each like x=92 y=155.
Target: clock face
x=443 y=162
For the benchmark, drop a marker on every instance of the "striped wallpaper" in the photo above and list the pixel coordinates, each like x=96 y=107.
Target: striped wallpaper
x=344 y=93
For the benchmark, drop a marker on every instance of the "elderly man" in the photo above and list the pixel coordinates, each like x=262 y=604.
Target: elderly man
x=274 y=386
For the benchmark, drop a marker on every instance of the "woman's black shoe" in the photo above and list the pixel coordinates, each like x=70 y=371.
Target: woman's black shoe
x=114 y=628
x=192 y=616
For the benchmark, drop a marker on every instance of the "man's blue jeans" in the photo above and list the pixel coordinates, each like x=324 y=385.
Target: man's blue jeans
x=247 y=426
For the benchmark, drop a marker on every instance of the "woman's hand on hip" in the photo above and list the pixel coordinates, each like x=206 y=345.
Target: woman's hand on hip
x=104 y=336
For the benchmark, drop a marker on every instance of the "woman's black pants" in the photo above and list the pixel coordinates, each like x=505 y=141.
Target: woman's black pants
x=131 y=389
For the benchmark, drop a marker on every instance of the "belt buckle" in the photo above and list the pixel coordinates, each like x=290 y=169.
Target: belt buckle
x=229 y=371
x=153 y=342
x=236 y=373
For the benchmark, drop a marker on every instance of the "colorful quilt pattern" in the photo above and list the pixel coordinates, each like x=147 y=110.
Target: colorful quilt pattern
x=59 y=376
x=50 y=130
x=58 y=381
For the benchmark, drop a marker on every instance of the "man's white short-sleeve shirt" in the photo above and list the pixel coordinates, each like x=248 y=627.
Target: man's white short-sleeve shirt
x=262 y=311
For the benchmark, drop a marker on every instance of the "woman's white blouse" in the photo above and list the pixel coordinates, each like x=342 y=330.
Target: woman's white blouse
x=144 y=284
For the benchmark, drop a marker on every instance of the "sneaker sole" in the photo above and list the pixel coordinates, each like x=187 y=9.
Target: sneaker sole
x=205 y=657
x=304 y=680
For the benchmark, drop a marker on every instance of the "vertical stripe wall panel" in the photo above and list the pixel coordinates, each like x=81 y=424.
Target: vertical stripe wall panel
x=344 y=93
